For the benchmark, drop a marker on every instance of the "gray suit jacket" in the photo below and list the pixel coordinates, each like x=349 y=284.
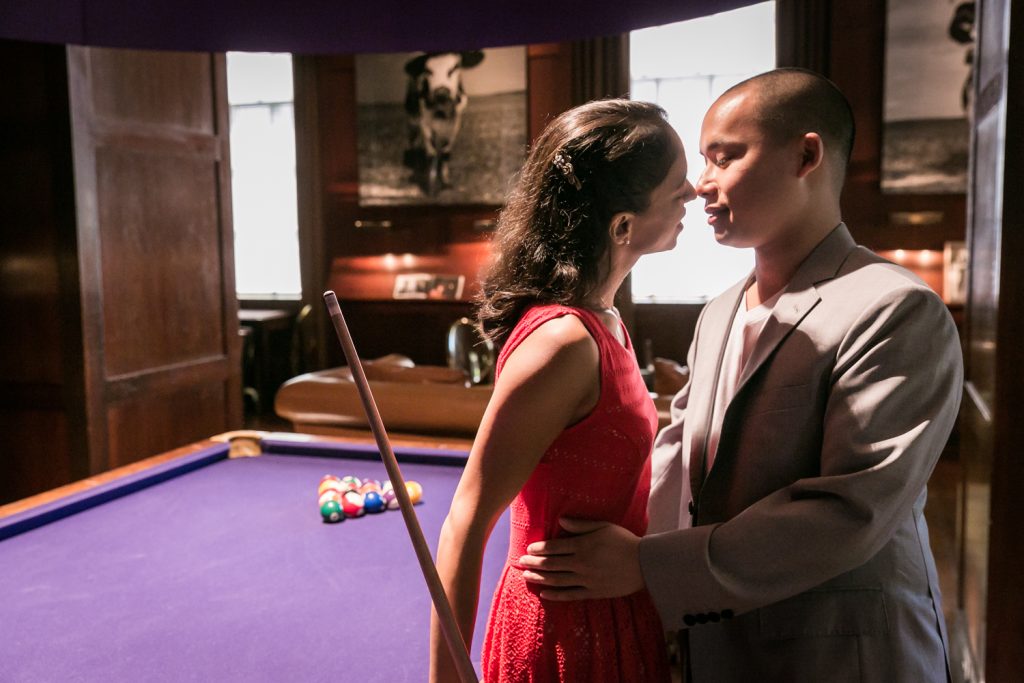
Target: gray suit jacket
x=808 y=557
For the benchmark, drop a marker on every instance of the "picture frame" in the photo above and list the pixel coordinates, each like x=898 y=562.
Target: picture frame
x=954 y=272
x=428 y=286
x=929 y=54
x=440 y=128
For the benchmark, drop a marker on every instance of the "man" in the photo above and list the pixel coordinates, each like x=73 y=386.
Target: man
x=787 y=530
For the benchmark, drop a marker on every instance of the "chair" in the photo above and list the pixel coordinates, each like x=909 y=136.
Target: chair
x=250 y=394
x=304 y=349
x=470 y=352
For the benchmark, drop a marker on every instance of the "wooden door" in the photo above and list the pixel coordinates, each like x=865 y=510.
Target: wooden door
x=155 y=250
x=991 y=425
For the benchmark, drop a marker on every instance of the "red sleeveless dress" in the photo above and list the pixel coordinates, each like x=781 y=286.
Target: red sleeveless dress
x=599 y=468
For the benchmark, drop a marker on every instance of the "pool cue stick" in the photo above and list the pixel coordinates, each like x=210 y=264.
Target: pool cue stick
x=445 y=614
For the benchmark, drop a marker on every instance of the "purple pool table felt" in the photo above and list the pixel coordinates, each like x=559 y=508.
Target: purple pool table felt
x=225 y=573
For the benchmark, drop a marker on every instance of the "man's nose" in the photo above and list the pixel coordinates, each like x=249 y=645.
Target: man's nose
x=703 y=186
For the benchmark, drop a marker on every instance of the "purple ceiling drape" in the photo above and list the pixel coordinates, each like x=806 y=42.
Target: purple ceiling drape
x=335 y=26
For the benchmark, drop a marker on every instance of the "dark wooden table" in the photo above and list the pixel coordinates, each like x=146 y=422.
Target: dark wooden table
x=272 y=341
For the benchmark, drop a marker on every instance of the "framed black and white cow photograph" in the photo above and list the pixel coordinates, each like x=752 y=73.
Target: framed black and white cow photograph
x=441 y=127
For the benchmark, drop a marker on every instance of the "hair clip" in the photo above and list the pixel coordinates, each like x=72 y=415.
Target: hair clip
x=563 y=162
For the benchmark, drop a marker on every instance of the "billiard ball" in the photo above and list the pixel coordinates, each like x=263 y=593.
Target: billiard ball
x=415 y=491
x=350 y=480
x=328 y=477
x=370 y=485
x=390 y=499
x=331 y=511
x=329 y=485
x=372 y=502
x=330 y=494
x=352 y=504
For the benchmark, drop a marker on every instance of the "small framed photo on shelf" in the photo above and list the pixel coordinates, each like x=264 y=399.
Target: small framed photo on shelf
x=954 y=273
x=428 y=286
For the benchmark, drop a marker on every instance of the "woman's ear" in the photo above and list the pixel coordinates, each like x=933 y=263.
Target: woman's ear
x=812 y=154
x=620 y=228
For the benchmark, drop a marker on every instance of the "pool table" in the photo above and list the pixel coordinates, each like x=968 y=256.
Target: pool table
x=212 y=563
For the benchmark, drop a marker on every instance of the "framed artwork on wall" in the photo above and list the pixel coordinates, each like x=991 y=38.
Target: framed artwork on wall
x=928 y=62
x=440 y=128
x=428 y=286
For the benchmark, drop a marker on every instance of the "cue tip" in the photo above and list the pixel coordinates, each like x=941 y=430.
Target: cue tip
x=332 y=303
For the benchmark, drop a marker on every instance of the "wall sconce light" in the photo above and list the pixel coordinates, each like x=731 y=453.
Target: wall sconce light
x=916 y=218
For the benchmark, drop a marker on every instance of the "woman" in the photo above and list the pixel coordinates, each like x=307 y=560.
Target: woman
x=570 y=424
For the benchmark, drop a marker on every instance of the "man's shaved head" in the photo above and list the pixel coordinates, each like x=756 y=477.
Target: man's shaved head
x=791 y=102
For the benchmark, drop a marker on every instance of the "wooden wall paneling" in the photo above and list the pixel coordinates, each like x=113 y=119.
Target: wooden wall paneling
x=232 y=343
x=88 y=254
x=549 y=75
x=169 y=418
x=668 y=327
x=41 y=399
x=155 y=240
x=993 y=545
x=802 y=34
x=314 y=260
x=1004 y=657
x=416 y=330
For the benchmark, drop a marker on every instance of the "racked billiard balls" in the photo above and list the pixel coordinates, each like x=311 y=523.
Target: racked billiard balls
x=390 y=499
x=373 y=502
x=331 y=511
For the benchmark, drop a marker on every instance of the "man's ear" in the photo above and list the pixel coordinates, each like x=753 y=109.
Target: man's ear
x=812 y=154
x=620 y=228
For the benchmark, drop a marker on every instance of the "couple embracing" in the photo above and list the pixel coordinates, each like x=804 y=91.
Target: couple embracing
x=778 y=521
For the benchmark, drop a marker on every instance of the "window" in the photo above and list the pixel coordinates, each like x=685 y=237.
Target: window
x=684 y=67
x=263 y=187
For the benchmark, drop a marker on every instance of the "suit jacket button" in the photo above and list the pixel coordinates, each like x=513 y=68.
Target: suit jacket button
x=727 y=614
x=702 y=618
x=714 y=617
x=689 y=620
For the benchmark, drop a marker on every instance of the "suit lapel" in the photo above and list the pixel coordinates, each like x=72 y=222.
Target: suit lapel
x=789 y=310
x=799 y=298
x=714 y=336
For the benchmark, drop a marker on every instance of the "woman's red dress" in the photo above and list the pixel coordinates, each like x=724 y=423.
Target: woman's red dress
x=599 y=468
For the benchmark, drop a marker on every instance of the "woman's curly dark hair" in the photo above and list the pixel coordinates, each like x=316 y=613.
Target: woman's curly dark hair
x=590 y=163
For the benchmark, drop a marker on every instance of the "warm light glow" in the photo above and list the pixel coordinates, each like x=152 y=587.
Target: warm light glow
x=925 y=256
x=900 y=256
x=408 y=260
x=390 y=261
